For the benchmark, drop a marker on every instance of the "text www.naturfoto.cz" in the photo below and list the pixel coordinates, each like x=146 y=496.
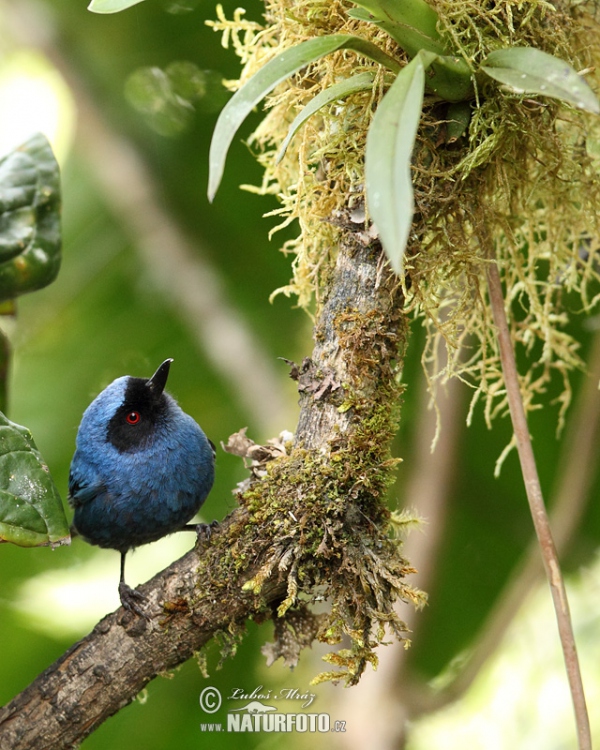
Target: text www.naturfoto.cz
x=275 y=723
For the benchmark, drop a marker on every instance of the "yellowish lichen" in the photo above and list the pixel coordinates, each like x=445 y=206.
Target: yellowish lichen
x=525 y=176
x=521 y=187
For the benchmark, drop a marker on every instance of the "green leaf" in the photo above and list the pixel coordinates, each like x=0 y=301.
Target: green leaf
x=390 y=143
x=30 y=242
x=264 y=81
x=411 y=23
x=360 y=14
x=111 y=6
x=528 y=70
x=459 y=117
x=451 y=79
x=31 y=511
x=360 y=82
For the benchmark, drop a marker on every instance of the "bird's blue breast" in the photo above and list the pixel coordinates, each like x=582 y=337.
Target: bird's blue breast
x=127 y=497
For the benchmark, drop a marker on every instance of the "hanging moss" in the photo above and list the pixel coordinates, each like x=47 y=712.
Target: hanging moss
x=335 y=537
x=524 y=175
x=518 y=183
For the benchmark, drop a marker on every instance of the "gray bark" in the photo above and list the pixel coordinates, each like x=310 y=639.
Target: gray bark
x=104 y=671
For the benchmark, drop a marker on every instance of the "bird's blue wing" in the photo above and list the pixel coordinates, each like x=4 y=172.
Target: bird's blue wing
x=83 y=486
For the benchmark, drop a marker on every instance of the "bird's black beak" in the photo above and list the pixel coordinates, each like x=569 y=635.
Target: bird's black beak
x=158 y=381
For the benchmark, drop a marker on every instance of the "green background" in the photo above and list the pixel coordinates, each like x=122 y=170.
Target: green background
x=105 y=316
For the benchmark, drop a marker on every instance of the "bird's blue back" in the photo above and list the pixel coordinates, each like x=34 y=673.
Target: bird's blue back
x=126 y=495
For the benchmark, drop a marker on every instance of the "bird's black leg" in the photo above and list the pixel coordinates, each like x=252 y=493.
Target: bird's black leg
x=130 y=597
x=203 y=530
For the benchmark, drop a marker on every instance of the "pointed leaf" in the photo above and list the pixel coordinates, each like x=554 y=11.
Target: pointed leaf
x=31 y=511
x=459 y=117
x=111 y=6
x=30 y=241
x=360 y=14
x=411 y=23
x=528 y=70
x=264 y=81
x=390 y=143
x=413 y=26
x=360 y=82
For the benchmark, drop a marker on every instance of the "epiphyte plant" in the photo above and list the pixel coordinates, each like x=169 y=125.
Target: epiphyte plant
x=391 y=136
x=513 y=201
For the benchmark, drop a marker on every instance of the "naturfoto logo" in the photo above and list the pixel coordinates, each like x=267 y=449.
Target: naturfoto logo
x=258 y=716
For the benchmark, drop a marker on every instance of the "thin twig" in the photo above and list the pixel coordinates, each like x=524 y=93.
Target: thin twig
x=577 y=469
x=5 y=358
x=537 y=507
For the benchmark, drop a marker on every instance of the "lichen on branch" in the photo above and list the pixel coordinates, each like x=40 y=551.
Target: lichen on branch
x=525 y=171
x=319 y=509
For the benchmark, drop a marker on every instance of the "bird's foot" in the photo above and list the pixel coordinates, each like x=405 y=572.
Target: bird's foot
x=129 y=599
x=204 y=530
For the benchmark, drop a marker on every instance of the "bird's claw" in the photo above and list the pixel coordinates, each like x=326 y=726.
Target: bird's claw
x=129 y=599
x=204 y=530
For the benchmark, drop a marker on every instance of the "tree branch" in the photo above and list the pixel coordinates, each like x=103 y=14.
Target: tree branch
x=106 y=670
x=269 y=546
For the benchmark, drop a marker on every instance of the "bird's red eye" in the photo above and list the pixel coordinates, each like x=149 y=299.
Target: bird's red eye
x=133 y=417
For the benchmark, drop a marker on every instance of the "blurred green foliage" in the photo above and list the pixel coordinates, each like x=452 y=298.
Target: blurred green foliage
x=31 y=512
x=30 y=218
x=104 y=317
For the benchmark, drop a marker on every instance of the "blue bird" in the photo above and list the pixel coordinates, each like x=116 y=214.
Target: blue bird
x=141 y=470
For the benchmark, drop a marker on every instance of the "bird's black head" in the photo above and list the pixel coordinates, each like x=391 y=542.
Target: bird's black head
x=143 y=408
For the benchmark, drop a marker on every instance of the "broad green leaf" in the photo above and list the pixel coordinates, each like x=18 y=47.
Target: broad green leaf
x=360 y=82
x=31 y=511
x=451 y=79
x=411 y=23
x=111 y=6
x=30 y=242
x=528 y=70
x=390 y=143
x=264 y=81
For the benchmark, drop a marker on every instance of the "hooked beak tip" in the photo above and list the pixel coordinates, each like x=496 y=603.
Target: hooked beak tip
x=158 y=381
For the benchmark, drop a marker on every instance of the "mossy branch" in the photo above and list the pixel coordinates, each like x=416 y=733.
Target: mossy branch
x=314 y=516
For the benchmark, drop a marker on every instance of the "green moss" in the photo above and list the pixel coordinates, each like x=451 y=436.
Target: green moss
x=525 y=173
x=322 y=517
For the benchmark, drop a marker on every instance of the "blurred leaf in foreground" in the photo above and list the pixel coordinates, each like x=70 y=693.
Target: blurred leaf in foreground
x=111 y=6
x=31 y=510
x=30 y=239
